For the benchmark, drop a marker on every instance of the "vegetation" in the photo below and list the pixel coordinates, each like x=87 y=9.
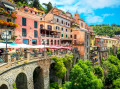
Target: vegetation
x=35 y=4
x=107 y=30
x=48 y=6
x=14 y=86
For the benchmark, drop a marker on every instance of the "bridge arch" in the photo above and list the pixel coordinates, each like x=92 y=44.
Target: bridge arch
x=3 y=86
x=21 y=81
x=38 y=81
x=52 y=76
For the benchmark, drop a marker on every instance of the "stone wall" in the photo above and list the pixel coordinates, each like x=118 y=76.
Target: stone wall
x=9 y=77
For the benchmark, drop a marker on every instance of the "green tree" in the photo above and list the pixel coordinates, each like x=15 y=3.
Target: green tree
x=60 y=68
x=82 y=76
x=116 y=83
x=36 y=4
x=48 y=6
x=118 y=54
x=99 y=72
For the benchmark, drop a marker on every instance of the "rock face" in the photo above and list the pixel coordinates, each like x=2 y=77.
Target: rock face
x=26 y=71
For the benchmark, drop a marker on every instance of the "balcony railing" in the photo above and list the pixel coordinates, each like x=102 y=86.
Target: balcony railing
x=52 y=36
x=78 y=43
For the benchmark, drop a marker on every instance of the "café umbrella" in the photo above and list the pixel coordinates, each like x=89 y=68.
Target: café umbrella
x=3 y=45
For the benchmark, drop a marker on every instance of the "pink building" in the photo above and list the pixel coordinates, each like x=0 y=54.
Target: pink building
x=28 y=31
x=33 y=30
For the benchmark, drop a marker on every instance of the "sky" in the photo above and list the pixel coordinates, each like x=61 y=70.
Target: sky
x=92 y=11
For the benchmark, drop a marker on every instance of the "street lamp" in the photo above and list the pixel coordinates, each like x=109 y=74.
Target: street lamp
x=6 y=36
x=44 y=42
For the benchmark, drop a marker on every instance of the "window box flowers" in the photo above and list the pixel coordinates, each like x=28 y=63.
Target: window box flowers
x=8 y=13
x=5 y=23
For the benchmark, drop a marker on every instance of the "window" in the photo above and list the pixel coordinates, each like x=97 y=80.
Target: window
x=75 y=42
x=34 y=42
x=10 y=32
x=25 y=41
x=66 y=23
x=23 y=21
x=66 y=30
x=24 y=32
x=49 y=27
x=56 y=27
x=43 y=42
x=40 y=18
x=35 y=12
x=71 y=36
x=71 y=30
x=47 y=41
x=54 y=42
x=57 y=20
x=41 y=26
x=58 y=42
x=82 y=25
x=87 y=36
x=61 y=35
x=26 y=10
x=31 y=11
x=35 y=24
x=35 y=33
x=62 y=21
x=75 y=36
x=51 y=42
x=66 y=36
x=8 y=20
x=61 y=29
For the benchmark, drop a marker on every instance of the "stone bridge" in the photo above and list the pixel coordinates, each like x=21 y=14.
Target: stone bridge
x=29 y=73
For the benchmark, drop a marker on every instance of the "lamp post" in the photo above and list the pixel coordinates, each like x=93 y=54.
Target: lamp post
x=6 y=36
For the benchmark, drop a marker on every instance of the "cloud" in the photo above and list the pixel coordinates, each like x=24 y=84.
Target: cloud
x=106 y=15
x=94 y=19
x=87 y=7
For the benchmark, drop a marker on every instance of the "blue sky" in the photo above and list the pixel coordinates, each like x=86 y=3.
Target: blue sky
x=92 y=11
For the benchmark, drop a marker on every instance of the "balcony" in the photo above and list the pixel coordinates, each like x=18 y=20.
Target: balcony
x=11 y=14
x=51 y=36
x=78 y=43
x=103 y=49
x=5 y=24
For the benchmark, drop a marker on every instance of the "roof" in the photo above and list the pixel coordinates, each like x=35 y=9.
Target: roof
x=81 y=19
x=60 y=13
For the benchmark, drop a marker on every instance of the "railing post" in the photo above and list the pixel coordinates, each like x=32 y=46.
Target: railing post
x=27 y=54
x=6 y=57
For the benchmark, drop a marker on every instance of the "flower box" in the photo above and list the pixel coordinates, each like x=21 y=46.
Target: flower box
x=10 y=24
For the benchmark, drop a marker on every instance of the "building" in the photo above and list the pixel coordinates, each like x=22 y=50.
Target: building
x=28 y=20
x=62 y=24
x=81 y=38
x=102 y=48
x=47 y=34
x=7 y=20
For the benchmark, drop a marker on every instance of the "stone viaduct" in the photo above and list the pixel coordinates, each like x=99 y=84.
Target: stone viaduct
x=27 y=73
x=34 y=74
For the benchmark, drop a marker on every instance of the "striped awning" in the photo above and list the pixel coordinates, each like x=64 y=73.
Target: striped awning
x=10 y=7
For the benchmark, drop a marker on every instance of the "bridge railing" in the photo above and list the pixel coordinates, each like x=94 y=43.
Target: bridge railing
x=16 y=57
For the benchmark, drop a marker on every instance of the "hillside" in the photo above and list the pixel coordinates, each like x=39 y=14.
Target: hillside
x=106 y=30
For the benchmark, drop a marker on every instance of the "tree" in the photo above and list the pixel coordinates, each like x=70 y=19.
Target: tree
x=82 y=76
x=118 y=54
x=36 y=4
x=48 y=6
x=116 y=83
x=99 y=72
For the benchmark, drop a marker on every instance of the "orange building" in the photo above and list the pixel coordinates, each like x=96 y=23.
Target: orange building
x=62 y=24
x=81 y=38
